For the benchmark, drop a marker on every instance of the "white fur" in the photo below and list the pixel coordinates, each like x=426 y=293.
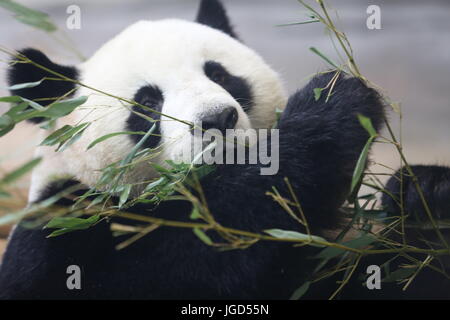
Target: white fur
x=170 y=54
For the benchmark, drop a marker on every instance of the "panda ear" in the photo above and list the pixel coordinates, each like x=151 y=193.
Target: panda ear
x=26 y=72
x=213 y=14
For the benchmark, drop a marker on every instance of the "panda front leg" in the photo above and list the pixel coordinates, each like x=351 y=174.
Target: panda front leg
x=71 y=266
x=319 y=145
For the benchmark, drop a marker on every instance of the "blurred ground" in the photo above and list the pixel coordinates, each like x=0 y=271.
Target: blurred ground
x=409 y=57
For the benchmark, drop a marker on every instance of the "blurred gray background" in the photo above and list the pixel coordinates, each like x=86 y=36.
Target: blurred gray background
x=409 y=56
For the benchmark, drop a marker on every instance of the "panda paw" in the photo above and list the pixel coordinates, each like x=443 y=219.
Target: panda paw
x=336 y=99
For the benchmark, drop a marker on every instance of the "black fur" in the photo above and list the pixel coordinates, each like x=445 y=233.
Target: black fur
x=213 y=14
x=238 y=87
x=434 y=181
x=43 y=259
x=319 y=145
x=152 y=97
x=429 y=284
x=25 y=72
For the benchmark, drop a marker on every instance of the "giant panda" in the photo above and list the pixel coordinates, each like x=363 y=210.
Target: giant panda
x=194 y=71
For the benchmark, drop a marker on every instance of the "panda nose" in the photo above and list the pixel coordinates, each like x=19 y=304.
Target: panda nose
x=222 y=120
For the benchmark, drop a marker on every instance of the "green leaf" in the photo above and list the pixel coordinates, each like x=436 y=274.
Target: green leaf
x=28 y=16
x=195 y=214
x=38 y=23
x=11 y=99
x=55 y=137
x=317 y=93
x=25 y=85
x=53 y=111
x=155 y=184
x=107 y=136
x=78 y=131
x=59 y=232
x=137 y=146
x=328 y=60
x=6 y=124
x=286 y=234
x=300 y=292
x=33 y=104
x=98 y=199
x=124 y=195
x=360 y=165
x=367 y=124
x=16 y=174
x=160 y=168
x=60 y=109
x=297 y=23
x=360 y=242
x=69 y=224
x=16 y=110
x=202 y=236
x=65 y=136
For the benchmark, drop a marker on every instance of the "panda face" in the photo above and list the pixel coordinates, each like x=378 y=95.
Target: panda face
x=183 y=70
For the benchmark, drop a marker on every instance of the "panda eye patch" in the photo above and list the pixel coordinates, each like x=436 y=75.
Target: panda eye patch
x=216 y=73
x=150 y=96
x=238 y=87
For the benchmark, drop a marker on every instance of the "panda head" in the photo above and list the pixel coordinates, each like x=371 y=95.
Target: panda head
x=197 y=72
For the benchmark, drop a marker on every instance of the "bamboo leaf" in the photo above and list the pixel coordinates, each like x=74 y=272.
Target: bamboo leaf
x=332 y=252
x=65 y=136
x=25 y=85
x=328 y=60
x=107 y=136
x=367 y=124
x=28 y=16
x=202 y=236
x=16 y=174
x=6 y=124
x=124 y=195
x=69 y=224
x=360 y=165
x=60 y=109
x=297 y=23
x=195 y=214
x=11 y=99
x=16 y=110
x=55 y=137
x=300 y=292
x=317 y=93
x=286 y=234
x=76 y=134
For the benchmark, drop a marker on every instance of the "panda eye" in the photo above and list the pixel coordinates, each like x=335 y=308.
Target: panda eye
x=219 y=77
x=147 y=101
x=149 y=96
x=216 y=73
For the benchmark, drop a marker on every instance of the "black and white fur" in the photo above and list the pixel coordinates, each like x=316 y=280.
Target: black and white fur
x=172 y=66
